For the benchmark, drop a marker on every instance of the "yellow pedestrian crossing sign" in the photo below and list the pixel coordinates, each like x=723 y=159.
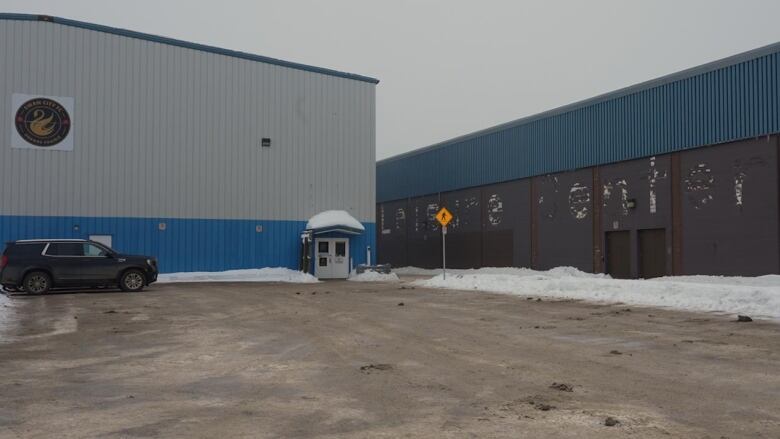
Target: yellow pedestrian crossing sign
x=444 y=217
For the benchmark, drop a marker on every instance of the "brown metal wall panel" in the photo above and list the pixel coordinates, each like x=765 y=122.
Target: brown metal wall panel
x=598 y=262
x=647 y=184
x=464 y=232
x=423 y=232
x=506 y=224
x=391 y=233
x=729 y=208
x=677 y=228
x=565 y=214
x=718 y=207
x=534 y=225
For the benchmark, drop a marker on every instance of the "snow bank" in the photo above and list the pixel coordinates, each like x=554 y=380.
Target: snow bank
x=758 y=296
x=373 y=276
x=251 y=275
x=5 y=305
x=333 y=218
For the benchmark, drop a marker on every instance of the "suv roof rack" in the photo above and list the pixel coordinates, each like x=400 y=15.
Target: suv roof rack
x=49 y=240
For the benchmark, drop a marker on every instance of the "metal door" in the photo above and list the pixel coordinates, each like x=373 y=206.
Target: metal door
x=652 y=253
x=332 y=261
x=340 y=266
x=618 y=249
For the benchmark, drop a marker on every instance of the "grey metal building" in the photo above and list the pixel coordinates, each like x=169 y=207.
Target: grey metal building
x=678 y=175
x=209 y=158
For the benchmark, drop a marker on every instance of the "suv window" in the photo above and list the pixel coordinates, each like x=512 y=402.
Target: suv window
x=66 y=249
x=93 y=250
x=25 y=249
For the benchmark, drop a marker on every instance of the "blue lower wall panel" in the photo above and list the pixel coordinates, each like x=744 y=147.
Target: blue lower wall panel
x=186 y=244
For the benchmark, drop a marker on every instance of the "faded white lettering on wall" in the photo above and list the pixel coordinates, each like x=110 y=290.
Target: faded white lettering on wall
x=622 y=187
x=385 y=230
x=652 y=177
x=698 y=184
x=549 y=208
x=461 y=212
x=740 y=173
x=495 y=210
x=579 y=201
x=430 y=214
x=400 y=218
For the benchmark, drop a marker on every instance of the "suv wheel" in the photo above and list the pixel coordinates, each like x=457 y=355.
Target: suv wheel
x=36 y=282
x=132 y=280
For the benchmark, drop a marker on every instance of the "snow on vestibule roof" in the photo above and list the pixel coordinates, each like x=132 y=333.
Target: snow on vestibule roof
x=335 y=221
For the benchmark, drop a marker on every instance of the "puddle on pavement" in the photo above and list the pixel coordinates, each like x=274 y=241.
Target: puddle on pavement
x=15 y=325
x=7 y=314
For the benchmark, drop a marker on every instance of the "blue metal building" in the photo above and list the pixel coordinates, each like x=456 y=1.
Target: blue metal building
x=657 y=127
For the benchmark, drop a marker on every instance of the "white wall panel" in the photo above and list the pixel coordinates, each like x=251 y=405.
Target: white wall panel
x=167 y=131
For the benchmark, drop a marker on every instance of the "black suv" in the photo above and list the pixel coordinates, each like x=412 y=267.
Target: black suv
x=35 y=266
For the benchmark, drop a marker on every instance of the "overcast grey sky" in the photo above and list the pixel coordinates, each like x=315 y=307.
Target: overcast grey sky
x=449 y=67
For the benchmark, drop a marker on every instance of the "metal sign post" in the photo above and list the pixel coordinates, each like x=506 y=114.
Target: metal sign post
x=444 y=252
x=444 y=217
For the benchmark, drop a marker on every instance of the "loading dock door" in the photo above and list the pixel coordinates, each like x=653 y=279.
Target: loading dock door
x=652 y=253
x=619 y=254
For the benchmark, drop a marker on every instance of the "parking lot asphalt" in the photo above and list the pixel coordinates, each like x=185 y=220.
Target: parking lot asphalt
x=355 y=360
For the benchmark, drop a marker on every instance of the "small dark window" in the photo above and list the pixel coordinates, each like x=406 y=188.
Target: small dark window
x=65 y=249
x=341 y=249
x=25 y=250
x=323 y=247
x=266 y=142
x=323 y=262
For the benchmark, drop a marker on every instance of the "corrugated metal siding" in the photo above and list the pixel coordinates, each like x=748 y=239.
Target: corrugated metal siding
x=167 y=131
x=187 y=244
x=733 y=102
x=729 y=209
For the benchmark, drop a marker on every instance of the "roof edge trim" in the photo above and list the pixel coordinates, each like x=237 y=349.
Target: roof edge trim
x=185 y=44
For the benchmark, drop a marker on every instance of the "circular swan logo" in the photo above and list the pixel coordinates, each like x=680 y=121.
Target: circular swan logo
x=42 y=122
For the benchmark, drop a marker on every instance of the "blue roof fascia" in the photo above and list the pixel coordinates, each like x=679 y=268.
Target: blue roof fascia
x=185 y=44
x=609 y=96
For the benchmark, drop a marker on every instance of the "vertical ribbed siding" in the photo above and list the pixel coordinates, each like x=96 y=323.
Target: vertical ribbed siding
x=171 y=132
x=730 y=103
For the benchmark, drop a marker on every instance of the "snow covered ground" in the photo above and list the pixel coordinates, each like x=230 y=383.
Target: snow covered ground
x=373 y=276
x=277 y=274
x=5 y=304
x=754 y=296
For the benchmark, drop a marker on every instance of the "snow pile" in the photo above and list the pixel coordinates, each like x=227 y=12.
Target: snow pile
x=759 y=296
x=5 y=306
x=277 y=274
x=373 y=276
x=333 y=218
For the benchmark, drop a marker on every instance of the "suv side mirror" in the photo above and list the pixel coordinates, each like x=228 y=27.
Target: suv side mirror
x=110 y=255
